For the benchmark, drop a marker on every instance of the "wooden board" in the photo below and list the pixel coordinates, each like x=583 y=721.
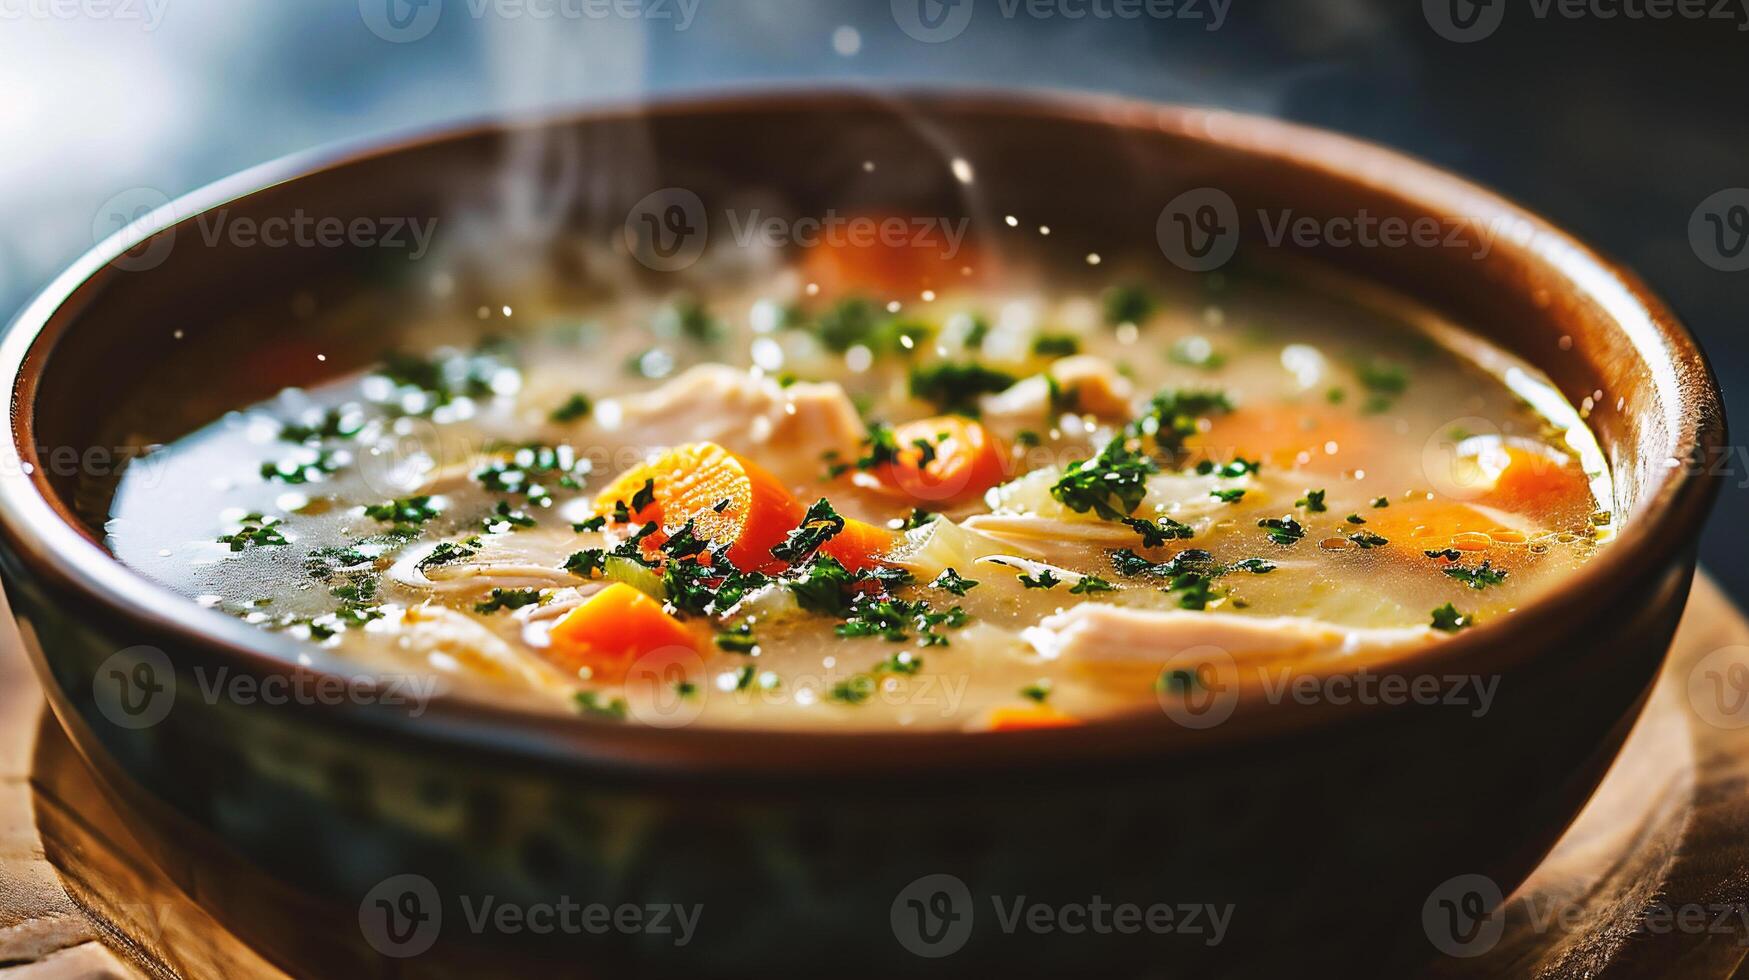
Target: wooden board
x=1666 y=837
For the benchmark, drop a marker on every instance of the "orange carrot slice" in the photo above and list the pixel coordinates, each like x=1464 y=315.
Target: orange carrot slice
x=860 y=545
x=1538 y=481
x=1028 y=718
x=1282 y=435
x=1418 y=526
x=902 y=264
x=616 y=628
x=963 y=460
x=729 y=500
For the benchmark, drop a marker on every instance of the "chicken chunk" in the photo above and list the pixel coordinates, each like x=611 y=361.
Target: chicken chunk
x=1112 y=637
x=1084 y=384
x=788 y=429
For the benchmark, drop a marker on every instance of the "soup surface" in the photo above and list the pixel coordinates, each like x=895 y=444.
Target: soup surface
x=802 y=507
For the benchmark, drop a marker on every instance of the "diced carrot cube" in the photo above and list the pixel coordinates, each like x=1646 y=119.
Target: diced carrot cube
x=617 y=628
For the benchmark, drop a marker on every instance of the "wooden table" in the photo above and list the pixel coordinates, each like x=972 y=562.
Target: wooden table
x=1666 y=835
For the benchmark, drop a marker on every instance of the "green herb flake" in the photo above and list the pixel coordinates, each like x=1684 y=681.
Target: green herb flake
x=819 y=525
x=1056 y=345
x=255 y=531
x=856 y=689
x=591 y=704
x=950 y=581
x=502 y=599
x=1111 y=484
x=1090 y=584
x=300 y=472
x=335 y=423
x=504 y=518
x=1478 y=578
x=739 y=639
x=956 y=387
x=822 y=587
x=1155 y=534
x=1128 y=304
x=1312 y=502
x=1384 y=382
x=450 y=552
x=1283 y=530
x=1173 y=416
x=584 y=564
x=412 y=511
x=903 y=662
x=1448 y=620
x=576 y=407
x=918 y=518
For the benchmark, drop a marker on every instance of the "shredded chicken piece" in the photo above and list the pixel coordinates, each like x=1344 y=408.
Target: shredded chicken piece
x=1100 y=635
x=523 y=560
x=787 y=430
x=452 y=642
x=1088 y=384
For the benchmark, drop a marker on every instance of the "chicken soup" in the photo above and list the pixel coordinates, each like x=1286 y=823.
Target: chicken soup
x=788 y=508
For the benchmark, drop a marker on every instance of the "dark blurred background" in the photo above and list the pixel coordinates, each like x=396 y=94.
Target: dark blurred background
x=1616 y=126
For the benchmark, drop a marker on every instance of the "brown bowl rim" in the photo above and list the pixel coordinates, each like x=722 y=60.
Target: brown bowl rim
x=43 y=531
